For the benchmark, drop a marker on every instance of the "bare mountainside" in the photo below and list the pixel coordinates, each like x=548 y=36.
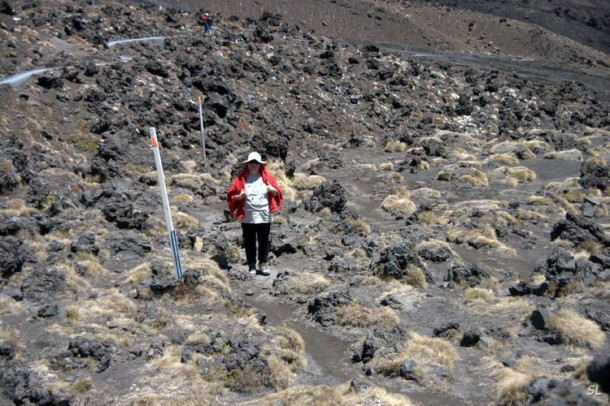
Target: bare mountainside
x=444 y=238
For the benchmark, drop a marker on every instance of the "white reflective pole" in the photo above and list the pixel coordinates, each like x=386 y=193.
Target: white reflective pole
x=202 y=129
x=168 y=215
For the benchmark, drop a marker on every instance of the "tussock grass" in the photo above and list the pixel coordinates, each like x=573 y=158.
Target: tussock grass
x=511 y=182
x=529 y=215
x=325 y=213
x=17 y=208
x=276 y=167
x=415 y=277
x=307 y=282
x=398 y=203
x=187 y=181
x=356 y=315
x=8 y=305
x=576 y=329
x=512 y=381
x=11 y=336
x=426 y=193
x=539 y=201
x=521 y=173
x=302 y=181
x=387 y=166
x=186 y=221
x=137 y=274
x=504 y=159
x=476 y=179
x=508 y=306
x=429 y=218
x=483 y=236
x=574 y=196
x=359 y=226
x=395 y=146
x=428 y=353
x=477 y=295
x=75 y=282
x=182 y=198
x=567 y=155
x=322 y=395
x=115 y=301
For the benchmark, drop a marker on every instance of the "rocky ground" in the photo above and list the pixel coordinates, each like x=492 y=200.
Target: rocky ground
x=445 y=232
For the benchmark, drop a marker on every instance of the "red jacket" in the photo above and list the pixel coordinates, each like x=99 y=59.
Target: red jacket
x=237 y=210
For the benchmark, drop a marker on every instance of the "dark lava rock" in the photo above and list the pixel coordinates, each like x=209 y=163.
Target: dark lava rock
x=554 y=392
x=331 y=195
x=395 y=262
x=578 y=229
x=470 y=338
x=471 y=276
x=324 y=307
x=598 y=371
x=85 y=243
x=13 y=254
x=380 y=340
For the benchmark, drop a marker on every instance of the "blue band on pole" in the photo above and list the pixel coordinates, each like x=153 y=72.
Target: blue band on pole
x=176 y=251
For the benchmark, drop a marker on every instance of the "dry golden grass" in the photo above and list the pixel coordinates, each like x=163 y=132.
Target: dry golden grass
x=322 y=395
x=591 y=246
x=115 y=302
x=512 y=381
x=477 y=178
x=517 y=308
x=398 y=203
x=11 y=336
x=428 y=217
x=75 y=282
x=387 y=166
x=477 y=295
x=324 y=213
x=182 y=198
x=307 y=282
x=395 y=146
x=568 y=155
x=539 y=201
x=359 y=226
x=8 y=305
x=137 y=274
x=186 y=221
x=18 y=208
x=576 y=329
x=187 y=181
x=302 y=181
x=574 y=196
x=356 y=315
x=427 y=353
x=529 y=215
x=415 y=277
x=484 y=236
x=504 y=159
x=521 y=173
x=276 y=167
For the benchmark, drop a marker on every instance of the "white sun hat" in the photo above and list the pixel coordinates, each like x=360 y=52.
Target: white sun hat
x=255 y=156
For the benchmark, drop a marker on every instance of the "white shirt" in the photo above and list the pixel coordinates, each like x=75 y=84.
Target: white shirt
x=257 y=201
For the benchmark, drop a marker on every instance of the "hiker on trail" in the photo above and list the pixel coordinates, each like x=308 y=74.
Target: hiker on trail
x=252 y=198
x=208 y=20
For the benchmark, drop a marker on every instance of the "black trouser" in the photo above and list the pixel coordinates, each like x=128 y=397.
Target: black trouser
x=252 y=233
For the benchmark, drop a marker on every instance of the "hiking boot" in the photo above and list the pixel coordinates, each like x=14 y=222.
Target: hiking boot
x=262 y=269
x=252 y=271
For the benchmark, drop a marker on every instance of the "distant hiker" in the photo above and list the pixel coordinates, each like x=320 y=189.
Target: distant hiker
x=252 y=198
x=208 y=20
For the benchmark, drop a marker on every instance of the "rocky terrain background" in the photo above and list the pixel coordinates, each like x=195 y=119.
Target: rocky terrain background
x=445 y=233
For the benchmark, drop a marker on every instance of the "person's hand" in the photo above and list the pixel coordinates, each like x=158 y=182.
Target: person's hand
x=272 y=190
x=240 y=196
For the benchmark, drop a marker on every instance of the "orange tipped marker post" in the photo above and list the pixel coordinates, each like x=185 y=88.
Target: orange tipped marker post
x=201 y=127
x=173 y=240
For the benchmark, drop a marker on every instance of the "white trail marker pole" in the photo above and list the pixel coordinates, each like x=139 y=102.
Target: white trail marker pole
x=168 y=215
x=202 y=129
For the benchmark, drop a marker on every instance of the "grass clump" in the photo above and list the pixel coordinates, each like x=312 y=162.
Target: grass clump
x=576 y=329
x=356 y=315
x=395 y=146
x=428 y=354
x=398 y=203
x=307 y=282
